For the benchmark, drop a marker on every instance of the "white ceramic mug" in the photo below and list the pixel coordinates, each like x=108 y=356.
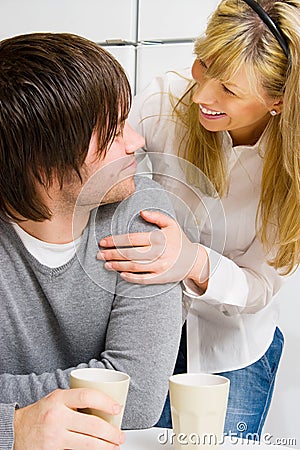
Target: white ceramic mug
x=111 y=382
x=198 y=408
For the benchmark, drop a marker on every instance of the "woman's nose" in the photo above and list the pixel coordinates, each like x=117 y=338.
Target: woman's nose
x=205 y=93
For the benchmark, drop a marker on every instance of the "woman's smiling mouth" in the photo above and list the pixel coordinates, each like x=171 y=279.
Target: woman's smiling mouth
x=208 y=113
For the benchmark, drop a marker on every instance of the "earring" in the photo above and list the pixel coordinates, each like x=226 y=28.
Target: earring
x=273 y=112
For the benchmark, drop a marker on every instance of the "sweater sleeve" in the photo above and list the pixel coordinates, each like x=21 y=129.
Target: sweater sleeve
x=145 y=324
x=7 y=413
x=145 y=347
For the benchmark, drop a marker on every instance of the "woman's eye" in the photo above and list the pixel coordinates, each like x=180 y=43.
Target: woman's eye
x=202 y=63
x=227 y=90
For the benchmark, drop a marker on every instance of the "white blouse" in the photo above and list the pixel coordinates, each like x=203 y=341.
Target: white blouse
x=232 y=324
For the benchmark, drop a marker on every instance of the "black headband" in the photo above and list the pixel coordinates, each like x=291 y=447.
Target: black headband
x=273 y=27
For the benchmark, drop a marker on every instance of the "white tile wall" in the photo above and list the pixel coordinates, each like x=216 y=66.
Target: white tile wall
x=176 y=19
x=155 y=59
x=126 y=55
x=97 y=20
x=283 y=419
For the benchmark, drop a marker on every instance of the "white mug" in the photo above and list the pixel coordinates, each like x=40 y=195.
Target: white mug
x=198 y=408
x=111 y=382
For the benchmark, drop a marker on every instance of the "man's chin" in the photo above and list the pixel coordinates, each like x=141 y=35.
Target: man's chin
x=119 y=192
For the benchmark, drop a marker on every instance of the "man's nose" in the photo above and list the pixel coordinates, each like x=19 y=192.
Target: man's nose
x=133 y=140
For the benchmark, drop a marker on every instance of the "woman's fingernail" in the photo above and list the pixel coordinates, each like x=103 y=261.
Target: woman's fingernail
x=103 y=242
x=100 y=255
x=116 y=409
x=108 y=266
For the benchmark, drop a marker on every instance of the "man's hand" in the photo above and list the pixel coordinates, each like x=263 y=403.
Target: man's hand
x=53 y=422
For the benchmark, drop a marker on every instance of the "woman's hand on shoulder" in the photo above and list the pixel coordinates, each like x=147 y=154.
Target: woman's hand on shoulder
x=160 y=256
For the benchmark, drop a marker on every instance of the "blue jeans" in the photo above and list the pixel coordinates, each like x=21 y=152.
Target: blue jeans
x=250 y=393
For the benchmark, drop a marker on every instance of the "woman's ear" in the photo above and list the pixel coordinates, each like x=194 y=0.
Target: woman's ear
x=276 y=107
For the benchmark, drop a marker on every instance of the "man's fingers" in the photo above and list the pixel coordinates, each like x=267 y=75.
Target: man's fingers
x=90 y=398
x=91 y=425
x=54 y=420
x=76 y=441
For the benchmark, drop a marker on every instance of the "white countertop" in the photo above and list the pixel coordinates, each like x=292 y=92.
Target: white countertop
x=146 y=440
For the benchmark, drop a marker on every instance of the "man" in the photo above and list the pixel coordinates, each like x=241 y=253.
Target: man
x=65 y=148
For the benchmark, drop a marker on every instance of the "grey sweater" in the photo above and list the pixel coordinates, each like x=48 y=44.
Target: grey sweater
x=80 y=315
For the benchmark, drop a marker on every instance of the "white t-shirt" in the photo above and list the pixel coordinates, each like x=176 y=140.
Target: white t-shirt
x=50 y=255
x=232 y=324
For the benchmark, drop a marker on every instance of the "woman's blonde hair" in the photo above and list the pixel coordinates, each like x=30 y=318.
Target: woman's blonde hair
x=236 y=36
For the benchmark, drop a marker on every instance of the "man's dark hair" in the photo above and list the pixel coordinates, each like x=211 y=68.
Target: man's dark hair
x=55 y=90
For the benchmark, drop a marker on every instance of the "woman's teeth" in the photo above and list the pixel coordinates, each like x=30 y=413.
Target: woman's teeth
x=209 y=112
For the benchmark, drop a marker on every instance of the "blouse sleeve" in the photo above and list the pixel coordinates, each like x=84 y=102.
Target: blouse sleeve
x=245 y=284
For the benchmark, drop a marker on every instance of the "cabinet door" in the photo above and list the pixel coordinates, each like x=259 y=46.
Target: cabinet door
x=97 y=20
x=155 y=59
x=176 y=19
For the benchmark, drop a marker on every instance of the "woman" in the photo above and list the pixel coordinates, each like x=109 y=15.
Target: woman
x=238 y=122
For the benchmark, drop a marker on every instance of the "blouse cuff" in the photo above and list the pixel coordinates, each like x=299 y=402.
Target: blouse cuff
x=191 y=289
x=227 y=283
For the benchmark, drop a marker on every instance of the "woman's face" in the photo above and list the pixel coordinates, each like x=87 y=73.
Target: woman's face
x=231 y=106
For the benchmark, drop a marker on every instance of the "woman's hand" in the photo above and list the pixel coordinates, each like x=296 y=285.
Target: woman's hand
x=161 y=256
